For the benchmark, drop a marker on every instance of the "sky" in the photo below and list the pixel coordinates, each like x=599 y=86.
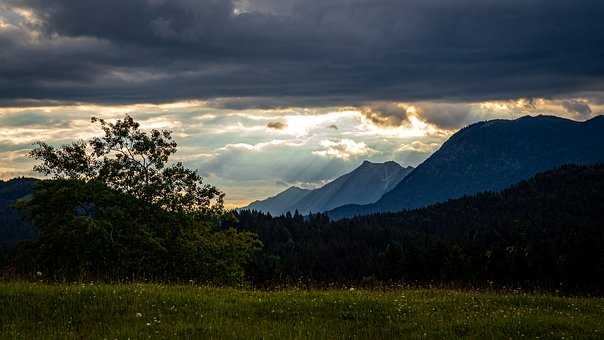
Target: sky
x=266 y=94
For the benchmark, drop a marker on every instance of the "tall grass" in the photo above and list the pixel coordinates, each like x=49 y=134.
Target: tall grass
x=140 y=311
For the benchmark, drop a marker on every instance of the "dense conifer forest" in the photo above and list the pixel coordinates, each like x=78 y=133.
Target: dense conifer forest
x=545 y=232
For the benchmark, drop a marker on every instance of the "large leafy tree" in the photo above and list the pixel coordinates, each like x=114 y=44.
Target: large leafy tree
x=134 y=162
x=117 y=208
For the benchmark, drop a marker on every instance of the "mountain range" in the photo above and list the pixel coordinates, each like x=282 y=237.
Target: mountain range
x=486 y=156
x=364 y=185
x=490 y=156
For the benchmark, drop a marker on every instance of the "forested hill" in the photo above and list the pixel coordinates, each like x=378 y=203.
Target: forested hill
x=548 y=231
x=491 y=155
x=13 y=227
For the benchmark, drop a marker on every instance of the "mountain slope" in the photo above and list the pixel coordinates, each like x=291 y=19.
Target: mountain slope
x=366 y=184
x=279 y=203
x=491 y=156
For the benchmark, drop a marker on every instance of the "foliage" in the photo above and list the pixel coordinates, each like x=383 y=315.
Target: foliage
x=544 y=232
x=116 y=210
x=133 y=162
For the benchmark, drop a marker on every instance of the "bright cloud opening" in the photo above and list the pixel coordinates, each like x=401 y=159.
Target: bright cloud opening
x=344 y=149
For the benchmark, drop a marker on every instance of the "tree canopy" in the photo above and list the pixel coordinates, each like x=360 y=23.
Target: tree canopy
x=134 y=162
x=116 y=208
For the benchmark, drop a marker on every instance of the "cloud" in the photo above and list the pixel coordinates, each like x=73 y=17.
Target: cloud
x=230 y=146
x=386 y=114
x=31 y=119
x=446 y=115
x=277 y=160
x=449 y=116
x=345 y=149
x=302 y=51
x=396 y=114
x=282 y=183
x=419 y=146
x=581 y=109
x=276 y=125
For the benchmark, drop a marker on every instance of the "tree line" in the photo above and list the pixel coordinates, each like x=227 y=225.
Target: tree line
x=546 y=232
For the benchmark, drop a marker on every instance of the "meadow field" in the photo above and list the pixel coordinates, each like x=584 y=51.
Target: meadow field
x=142 y=311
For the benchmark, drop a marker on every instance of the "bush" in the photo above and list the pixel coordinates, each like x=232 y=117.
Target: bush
x=89 y=231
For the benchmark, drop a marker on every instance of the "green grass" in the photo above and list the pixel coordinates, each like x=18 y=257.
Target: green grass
x=141 y=311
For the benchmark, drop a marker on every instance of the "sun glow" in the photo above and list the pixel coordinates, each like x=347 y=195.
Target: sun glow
x=301 y=125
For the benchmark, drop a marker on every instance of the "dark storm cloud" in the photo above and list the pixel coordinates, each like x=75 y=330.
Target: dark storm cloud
x=447 y=115
x=385 y=114
x=160 y=50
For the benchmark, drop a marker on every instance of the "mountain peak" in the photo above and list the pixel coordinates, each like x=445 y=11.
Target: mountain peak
x=489 y=156
x=365 y=184
x=369 y=164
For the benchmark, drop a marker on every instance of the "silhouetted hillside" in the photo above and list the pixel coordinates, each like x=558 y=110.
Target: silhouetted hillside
x=13 y=226
x=279 y=203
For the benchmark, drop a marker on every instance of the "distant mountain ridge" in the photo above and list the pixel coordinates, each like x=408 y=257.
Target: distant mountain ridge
x=13 y=226
x=279 y=203
x=491 y=155
x=365 y=184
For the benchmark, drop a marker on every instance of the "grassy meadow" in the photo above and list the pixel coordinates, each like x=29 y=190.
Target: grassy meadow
x=142 y=311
